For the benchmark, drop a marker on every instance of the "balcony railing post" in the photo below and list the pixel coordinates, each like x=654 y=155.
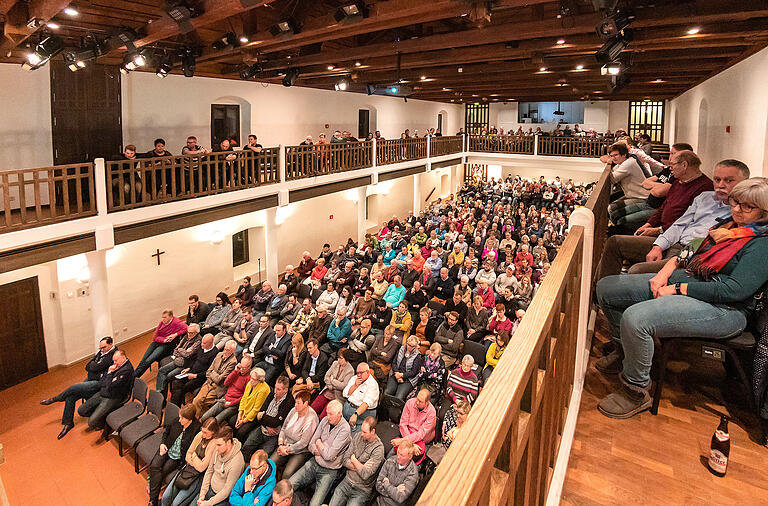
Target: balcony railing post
x=100 y=184
x=535 y=145
x=281 y=162
x=429 y=161
x=374 y=162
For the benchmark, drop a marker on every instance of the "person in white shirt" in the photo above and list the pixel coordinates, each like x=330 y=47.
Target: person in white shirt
x=629 y=175
x=362 y=397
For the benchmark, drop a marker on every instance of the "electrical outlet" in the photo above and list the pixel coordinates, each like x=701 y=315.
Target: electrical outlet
x=70 y=295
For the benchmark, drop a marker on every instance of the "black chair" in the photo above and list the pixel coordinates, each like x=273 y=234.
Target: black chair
x=477 y=351
x=145 y=425
x=129 y=412
x=390 y=408
x=387 y=431
x=148 y=446
x=734 y=351
x=304 y=292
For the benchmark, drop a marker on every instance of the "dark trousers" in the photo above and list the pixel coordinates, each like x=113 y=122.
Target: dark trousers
x=155 y=353
x=96 y=409
x=257 y=440
x=161 y=470
x=71 y=395
x=272 y=371
x=180 y=387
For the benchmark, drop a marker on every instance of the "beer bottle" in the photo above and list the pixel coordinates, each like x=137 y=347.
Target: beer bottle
x=720 y=448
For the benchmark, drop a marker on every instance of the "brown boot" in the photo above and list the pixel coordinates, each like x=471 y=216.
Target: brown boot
x=628 y=401
x=611 y=363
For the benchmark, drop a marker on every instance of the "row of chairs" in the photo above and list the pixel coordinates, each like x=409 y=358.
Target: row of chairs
x=137 y=422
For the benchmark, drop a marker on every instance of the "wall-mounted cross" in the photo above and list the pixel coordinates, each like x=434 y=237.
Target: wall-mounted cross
x=157 y=254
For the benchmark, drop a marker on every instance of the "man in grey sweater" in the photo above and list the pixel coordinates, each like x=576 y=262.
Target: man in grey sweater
x=362 y=460
x=398 y=477
x=328 y=444
x=224 y=469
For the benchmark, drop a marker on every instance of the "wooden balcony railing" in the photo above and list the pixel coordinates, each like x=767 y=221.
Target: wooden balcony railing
x=320 y=159
x=34 y=197
x=400 y=150
x=506 y=450
x=588 y=147
x=149 y=181
x=439 y=146
x=514 y=144
x=598 y=204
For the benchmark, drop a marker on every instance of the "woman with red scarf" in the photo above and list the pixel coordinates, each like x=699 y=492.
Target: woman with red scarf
x=706 y=291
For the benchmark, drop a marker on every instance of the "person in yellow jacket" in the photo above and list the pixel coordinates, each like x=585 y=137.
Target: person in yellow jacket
x=254 y=395
x=492 y=356
x=401 y=321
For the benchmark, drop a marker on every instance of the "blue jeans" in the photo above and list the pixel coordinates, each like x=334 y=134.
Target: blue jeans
x=169 y=370
x=173 y=496
x=322 y=477
x=71 y=395
x=636 y=318
x=97 y=408
x=347 y=410
x=399 y=390
x=155 y=353
x=345 y=493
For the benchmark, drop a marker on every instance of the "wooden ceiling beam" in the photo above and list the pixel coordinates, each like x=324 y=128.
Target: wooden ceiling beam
x=5 y=6
x=16 y=33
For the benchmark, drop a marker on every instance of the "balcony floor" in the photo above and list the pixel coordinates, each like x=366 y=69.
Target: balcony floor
x=662 y=459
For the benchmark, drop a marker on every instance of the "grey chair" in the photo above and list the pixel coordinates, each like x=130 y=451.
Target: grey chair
x=130 y=411
x=477 y=351
x=387 y=431
x=147 y=447
x=145 y=425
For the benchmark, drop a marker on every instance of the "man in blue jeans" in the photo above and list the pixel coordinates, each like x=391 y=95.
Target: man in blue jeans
x=96 y=367
x=327 y=446
x=114 y=388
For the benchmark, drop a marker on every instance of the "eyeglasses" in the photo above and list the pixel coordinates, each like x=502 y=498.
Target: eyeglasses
x=747 y=208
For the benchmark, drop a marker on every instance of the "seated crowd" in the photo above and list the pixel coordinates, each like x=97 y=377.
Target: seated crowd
x=347 y=381
x=694 y=252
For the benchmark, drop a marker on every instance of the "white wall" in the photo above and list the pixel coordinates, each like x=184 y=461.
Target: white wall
x=25 y=118
x=735 y=98
x=176 y=107
x=600 y=115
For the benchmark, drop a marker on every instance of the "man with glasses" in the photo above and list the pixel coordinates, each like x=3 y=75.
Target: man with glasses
x=256 y=484
x=95 y=369
x=704 y=212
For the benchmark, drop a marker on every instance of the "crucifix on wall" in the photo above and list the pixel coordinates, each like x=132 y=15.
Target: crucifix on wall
x=157 y=254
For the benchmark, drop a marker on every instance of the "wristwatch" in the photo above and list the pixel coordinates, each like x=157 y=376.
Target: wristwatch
x=677 y=289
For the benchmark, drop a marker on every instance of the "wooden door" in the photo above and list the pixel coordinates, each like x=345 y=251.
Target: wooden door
x=86 y=113
x=225 y=123
x=22 y=346
x=363 y=123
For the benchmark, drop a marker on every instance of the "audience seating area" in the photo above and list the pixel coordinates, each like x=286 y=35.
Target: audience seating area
x=452 y=296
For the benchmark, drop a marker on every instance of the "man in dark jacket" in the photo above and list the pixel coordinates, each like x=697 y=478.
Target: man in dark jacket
x=271 y=416
x=96 y=367
x=314 y=367
x=195 y=373
x=177 y=437
x=272 y=354
x=114 y=388
x=198 y=311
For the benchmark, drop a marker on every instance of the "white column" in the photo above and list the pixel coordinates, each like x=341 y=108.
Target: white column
x=535 y=144
x=416 y=194
x=101 y=309
x=271 y=230
x=429 y=161
x=361 y=221
x=281 y=162
x=100 y=186
x=452 y=179
x=373 y=154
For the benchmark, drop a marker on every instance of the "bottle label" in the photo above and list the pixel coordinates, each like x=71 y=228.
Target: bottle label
x=717 y=461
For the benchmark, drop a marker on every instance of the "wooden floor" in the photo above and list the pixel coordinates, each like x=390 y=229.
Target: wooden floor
x=79 y=470
x=661 y=459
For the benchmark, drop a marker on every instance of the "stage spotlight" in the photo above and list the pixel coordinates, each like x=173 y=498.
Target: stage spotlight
x=188 y=60
x=285 y=27
x=611 y=69
x=183 y=11
x=614 y=46
x=290 y=77
x=227 y=40
x=341 y=85
x=164 y=69
x=615 y=23
x=249 y=71
x=43 y=52
x=356 y=9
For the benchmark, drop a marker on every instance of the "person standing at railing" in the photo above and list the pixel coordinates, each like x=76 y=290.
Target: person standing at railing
x=225 y=165
x=127 y=167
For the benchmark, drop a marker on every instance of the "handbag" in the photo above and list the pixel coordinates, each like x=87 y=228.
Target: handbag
x=186 y=477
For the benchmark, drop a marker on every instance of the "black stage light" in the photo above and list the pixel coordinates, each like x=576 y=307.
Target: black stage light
x=43 y=52
x=285 y=27
x=164 y=69
x=188 y=60
x=614 y=46
x=356 y=9
x=614 y=23
x=290 y=77
x=227 y=40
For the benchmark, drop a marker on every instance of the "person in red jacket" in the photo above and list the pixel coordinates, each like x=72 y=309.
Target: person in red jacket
x=166 y=334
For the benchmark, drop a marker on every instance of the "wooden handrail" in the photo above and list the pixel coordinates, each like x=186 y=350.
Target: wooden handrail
x=319 y=159
x=40 y=196
x=589 y=147
x=148 y=181
x=400 y=150
x=598 y=203
x=448 y=145
x=514 y=144
x=510 y=440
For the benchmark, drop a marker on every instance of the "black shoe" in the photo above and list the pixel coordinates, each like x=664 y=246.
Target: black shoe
x=64 y=431
x=47 y=402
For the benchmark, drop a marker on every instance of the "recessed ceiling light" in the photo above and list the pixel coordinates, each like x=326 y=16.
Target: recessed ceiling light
x=423 y=78
x=561 y=41
x=357 y=64
x=244 y=40
x=694 y=31
x=331 y=67
x=71 y=11
x=543 y=69
x=52 y=25
x=579 y=67
x=658 y=81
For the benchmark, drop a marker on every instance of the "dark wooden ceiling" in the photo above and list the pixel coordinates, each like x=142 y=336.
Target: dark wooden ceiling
x=499 y=45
